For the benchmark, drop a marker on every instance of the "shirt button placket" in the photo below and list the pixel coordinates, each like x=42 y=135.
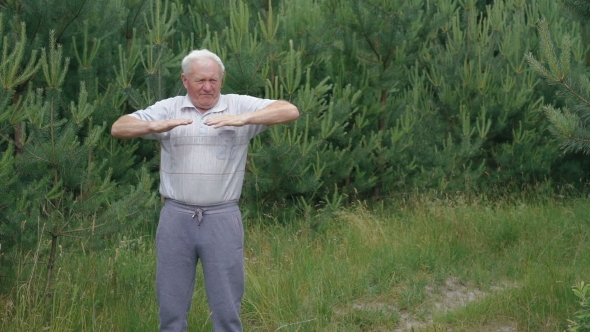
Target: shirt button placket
x=202 y=126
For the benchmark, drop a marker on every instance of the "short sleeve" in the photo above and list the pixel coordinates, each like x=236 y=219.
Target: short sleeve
x=249 y=104
x=157 y=112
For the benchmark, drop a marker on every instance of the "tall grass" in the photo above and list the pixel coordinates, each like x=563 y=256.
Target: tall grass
x=431 y=265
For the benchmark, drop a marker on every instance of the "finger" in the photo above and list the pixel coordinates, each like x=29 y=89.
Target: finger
x=171 y=124
x=212 y=121
x=182 y=122
x=217 y=125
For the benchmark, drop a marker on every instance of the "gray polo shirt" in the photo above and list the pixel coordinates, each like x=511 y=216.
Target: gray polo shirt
x=201 y=165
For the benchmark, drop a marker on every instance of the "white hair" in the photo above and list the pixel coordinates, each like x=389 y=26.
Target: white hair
x=200 y=55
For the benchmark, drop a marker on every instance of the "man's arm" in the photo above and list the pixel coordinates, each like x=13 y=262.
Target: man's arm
x=280 y=111
x=130 y=127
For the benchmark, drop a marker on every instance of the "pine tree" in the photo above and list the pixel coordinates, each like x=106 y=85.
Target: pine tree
x=569 y=124
x=580 y=10
x=488 y=128
x=394 y=96
x=57 y=165
x=13 y=73
x=381 y=39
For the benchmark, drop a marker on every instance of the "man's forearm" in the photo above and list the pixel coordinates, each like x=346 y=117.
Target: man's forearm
x=130 y=127
x=278 y=112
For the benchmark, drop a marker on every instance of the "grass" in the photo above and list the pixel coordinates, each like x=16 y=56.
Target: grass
x=433 y=265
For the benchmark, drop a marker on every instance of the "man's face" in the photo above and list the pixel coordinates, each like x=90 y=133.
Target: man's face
x=203 y=84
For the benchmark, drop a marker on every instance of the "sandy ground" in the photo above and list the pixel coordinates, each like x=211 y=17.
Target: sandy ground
x=448 y=297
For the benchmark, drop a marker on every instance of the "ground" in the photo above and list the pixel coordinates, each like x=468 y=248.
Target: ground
x=452 y=295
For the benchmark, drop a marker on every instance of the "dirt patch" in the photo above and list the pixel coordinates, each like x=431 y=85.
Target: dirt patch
x=6 y=308
x=452 y=295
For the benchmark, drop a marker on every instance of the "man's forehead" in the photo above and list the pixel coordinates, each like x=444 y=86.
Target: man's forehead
x=206 y=65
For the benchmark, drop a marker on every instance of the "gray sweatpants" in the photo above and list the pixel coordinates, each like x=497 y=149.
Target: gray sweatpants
x=214 y=235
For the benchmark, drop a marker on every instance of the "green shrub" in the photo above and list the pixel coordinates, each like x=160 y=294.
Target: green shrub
x=581 y=320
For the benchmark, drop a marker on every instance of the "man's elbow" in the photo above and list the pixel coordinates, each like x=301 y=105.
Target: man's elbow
x=121 y=127
x=293 y=113
x=116 y=131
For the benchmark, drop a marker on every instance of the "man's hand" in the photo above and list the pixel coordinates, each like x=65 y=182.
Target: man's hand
x=226 y=120
x=278 y=112
x=130 y=127
x=167 y=125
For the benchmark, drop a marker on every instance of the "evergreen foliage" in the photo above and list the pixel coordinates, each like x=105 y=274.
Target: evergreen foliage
x=580 y=8
x=56 y=180
x=395 y=96
x=569 y=124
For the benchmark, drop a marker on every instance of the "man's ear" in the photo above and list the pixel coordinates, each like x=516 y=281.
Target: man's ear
x=183 y=78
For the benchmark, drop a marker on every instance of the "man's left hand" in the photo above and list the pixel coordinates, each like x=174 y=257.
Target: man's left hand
x=226 y=120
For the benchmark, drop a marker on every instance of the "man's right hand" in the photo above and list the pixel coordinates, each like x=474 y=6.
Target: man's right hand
x=130 y=127
x=167 y=125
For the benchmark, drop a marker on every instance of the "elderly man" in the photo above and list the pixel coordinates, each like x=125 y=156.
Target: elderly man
x=204 y=139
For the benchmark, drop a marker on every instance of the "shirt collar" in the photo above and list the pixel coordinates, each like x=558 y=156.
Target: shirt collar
x=219 y=107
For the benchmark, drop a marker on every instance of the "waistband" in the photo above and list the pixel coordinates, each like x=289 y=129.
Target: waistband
x=199 y=211
x=206 y=209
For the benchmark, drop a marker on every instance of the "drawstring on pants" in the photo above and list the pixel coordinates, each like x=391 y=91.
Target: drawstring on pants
x=199 y=214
